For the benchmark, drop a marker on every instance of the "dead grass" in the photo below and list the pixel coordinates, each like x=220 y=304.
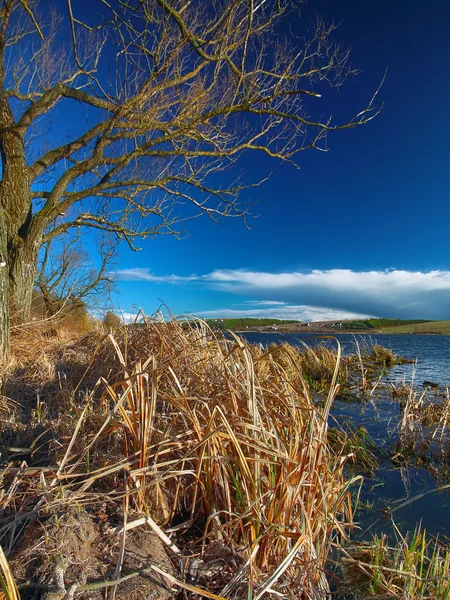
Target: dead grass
x=215 y=436
x=383 y=356
x=215 y=443
x=7 y=581
x=424 y=429
x=415 y=567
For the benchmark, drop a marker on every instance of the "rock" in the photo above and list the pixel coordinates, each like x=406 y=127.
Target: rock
x=431 y=384
x=217 y=566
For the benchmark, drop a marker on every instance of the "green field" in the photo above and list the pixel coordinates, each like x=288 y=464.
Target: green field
x=242 y=323
x=427 y=327
x=382 y=323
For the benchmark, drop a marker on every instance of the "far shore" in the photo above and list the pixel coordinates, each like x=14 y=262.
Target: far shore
x=333 y=331
x=369 y=326
x=308 y=330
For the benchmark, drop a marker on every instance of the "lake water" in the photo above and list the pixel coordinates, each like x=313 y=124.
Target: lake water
x=432 y=352
x=391 y=486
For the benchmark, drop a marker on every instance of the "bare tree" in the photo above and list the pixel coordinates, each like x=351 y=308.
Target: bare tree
x=173 y=92
x=67 y=274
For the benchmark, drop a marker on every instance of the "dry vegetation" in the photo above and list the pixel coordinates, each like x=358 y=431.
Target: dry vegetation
x=211 y=451
x=416 y=567
x=164 y=461
x=424 y=428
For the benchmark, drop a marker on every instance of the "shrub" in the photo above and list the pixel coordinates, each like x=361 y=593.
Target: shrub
x=111 y=322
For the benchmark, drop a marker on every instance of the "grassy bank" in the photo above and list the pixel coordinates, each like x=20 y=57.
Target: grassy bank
x=246 y=323
x=432 y=327
x=366 y=326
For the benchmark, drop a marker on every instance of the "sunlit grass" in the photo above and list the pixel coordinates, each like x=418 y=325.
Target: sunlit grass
x=220 y=433
x=416 y=567
x=7 y=582
x=439 y=327
x=237 y=441
x=185 y=426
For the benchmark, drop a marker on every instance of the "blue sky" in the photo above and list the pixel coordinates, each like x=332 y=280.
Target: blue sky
x=360 y=230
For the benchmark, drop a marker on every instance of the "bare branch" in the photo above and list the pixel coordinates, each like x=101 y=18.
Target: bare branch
x=66 y=273
x=165 y=95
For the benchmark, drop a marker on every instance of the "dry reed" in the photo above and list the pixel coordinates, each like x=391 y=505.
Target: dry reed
x=416 y=567
x=214 y=431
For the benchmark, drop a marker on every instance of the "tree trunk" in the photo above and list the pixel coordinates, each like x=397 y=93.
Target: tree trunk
x=22 y=275
x=4 y=295
x=16 y=220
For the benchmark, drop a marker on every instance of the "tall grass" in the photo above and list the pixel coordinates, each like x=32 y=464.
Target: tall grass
x=228 y=433
x=417 y=567
x=215 y=432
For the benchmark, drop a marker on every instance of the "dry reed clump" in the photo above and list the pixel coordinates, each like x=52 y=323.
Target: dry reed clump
x=417 y=567
x=212 y=435
x=28 y=340
x=37 y=348
x=359 y=374
x=383 y=356
x=424 y=429
x=316 y=365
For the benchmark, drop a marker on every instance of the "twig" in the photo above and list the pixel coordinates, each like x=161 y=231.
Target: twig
x=118 y=570
x=98 y=585
x=419 y=496
x=159 y=532
x=186 y=586
x=360 y=563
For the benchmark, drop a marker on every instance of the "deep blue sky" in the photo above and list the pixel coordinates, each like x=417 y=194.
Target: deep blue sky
x=379 y=199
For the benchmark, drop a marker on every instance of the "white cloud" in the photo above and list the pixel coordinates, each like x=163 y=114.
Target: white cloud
x=297 y=313
x=139 y=274
x=264 y=303
x=388 y=293
x=129 y=317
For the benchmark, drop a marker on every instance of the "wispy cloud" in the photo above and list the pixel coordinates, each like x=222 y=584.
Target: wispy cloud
x=129 y=317
x=139 y=274
x=393 y=292
x=297 y=313
x=264 y=303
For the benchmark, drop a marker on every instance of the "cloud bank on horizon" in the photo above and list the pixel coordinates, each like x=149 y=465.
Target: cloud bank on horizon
x=320 y=294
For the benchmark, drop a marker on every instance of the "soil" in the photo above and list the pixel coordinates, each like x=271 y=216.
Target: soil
x=77 y=547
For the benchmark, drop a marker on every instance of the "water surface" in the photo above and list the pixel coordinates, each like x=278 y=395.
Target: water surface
x=431 y=352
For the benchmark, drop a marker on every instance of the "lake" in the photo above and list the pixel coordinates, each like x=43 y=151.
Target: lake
x=391 y=486
x=432 y=352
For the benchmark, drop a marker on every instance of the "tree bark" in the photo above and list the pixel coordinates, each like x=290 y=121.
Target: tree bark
x=22 y=244
x=22 y=274
x=4 y=293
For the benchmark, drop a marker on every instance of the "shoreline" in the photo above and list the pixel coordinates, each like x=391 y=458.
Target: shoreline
x=333 y=332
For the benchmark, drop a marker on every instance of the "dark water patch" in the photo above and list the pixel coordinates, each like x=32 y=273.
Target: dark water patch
x=406 y=496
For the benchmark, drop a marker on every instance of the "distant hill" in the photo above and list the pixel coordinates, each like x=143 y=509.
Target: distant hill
x=442 y=327
x=382 y=323
x=236 y=324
